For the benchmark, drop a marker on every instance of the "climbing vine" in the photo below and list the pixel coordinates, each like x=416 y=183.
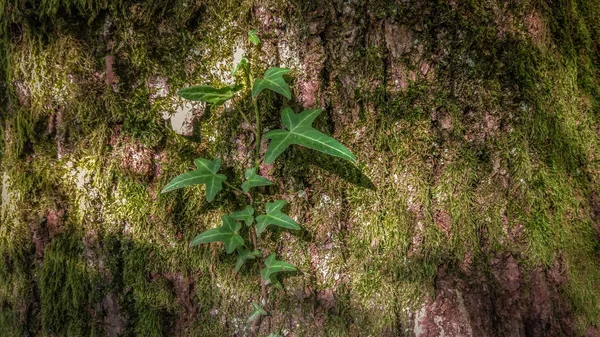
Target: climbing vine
x=298 y=131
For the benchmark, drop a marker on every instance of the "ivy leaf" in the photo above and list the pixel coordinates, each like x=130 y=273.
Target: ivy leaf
x=205 y=173
x=300 y=132
x=257 y=311
x=242 y=63
x=244 y=255
x=274 y=282
x=253 y=37
x=274 y=81
x=275 y=217
x=273 y=267
x=254 y=180
x=208 y=94
x=274 y=334
x=245 y=215
x=227 y=234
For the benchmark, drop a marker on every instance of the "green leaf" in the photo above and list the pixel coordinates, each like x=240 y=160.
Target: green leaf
x=254 y=180
x=253 y=37
x=245 y=215
x=242 y=63
x=205 y=173
x=274 y=334
x=257 y=311
x=300 y=132
x=274 y=81
x=244 y=255
x=275 y=217
x=208 y=94
x=273 y=267
x=274 y=282
x=227 y=234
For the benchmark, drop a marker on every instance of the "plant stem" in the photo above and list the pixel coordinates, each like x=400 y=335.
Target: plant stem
x=233 y=187
x=255 y=239
x=246 y=119
x=258 y=126
x=258 y=133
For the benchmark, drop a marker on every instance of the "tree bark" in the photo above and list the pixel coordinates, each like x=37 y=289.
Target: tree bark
x=473 y=209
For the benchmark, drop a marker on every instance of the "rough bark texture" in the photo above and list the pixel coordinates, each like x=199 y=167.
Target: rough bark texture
x=473 y=211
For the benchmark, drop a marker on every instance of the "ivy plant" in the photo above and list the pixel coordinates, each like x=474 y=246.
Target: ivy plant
x=297 y=130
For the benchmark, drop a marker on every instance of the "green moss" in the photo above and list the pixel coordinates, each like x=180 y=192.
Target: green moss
x=385 y=238
x=66 y=287
x=14 y=291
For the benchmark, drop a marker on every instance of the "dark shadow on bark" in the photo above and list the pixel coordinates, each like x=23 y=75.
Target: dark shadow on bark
x=343 y=169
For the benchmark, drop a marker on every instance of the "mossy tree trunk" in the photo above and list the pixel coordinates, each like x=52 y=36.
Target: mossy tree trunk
x=473 y=210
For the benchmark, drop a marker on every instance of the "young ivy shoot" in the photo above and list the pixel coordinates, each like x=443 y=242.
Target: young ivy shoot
x=297 y=130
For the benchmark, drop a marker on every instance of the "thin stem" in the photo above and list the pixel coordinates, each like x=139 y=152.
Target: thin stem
x=233 y=187
x=246 y=119
x=257 y=120
x=255 y=239
x=258 y=135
